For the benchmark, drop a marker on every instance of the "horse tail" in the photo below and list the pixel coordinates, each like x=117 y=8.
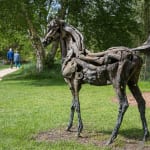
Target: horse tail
x=145 y=48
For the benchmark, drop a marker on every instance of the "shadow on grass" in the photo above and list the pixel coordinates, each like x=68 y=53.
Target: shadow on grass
x=132 y=133
x=94 y=137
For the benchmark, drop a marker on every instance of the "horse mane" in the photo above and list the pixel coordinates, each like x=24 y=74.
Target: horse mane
x=77 y=38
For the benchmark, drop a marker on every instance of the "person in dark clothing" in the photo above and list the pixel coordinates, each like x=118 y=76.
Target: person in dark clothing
x=10 y=57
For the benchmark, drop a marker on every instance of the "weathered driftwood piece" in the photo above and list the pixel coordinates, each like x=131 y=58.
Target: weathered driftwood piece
x=119 y=66
x=113 y=49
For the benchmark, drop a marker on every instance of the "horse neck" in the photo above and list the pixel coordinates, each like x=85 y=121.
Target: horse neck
x=63 y=49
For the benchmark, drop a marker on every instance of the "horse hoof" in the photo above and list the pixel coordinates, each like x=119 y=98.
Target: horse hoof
x=109 y=142
x=78 y=135
x=80 y=128
x=146 y=136
x=68 y=129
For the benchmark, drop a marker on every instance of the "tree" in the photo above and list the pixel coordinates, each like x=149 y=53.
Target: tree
x=105 y=23
x=26 y=16
x=147 y=33
x=35 y=38
x=147 y=16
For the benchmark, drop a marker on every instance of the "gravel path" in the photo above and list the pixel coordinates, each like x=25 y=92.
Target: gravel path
x=7 y=71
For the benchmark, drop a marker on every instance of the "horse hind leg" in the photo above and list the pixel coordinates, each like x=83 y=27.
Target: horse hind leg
x=141 y=105
x=123 y=105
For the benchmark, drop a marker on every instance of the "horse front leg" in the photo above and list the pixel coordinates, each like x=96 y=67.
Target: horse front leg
x=75 y=87
x=72 y=109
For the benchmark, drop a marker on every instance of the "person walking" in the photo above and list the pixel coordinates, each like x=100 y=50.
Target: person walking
x=17 y=59
x=10 y=57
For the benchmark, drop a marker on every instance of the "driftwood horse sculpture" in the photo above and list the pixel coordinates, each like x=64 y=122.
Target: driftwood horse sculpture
x=119 y=66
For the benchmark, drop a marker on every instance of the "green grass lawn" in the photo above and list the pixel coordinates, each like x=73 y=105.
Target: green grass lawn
x=30 y=105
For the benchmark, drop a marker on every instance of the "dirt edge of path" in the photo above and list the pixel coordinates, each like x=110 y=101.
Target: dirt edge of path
x=132 y=101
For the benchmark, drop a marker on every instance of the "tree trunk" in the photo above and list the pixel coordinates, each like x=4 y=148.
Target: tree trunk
x=55 y=44
x=147 y=31
x=40 y=53
x=52 y=53
x=35 y=39
x=147 y=16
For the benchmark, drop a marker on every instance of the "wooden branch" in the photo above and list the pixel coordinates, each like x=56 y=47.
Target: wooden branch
x=98 y=60
x=110 y=50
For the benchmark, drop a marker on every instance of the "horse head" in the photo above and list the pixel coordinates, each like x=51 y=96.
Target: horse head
x=53 y=31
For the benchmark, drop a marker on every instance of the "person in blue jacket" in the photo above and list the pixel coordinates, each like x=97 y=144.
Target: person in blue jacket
x=17 y=59
x=10 y=57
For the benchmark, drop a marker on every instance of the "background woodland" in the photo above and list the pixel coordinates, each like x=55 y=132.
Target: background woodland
x=104 y=23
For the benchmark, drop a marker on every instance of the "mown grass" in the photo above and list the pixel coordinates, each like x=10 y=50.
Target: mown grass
x=31 y=103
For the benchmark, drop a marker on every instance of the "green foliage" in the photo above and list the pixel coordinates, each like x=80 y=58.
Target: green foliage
x=12 y=39
x=18 y=41
x=106 y=23
x=14 y=24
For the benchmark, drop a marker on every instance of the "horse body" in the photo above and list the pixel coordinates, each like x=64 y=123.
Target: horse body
x=118 y=66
